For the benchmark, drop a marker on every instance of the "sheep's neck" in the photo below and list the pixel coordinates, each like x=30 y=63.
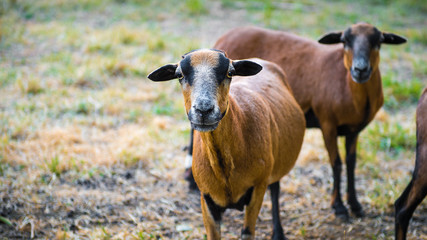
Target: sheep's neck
x=367 y=97
x=219 y=143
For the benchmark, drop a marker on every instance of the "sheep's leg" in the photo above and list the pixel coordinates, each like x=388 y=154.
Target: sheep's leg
x=330 y=137
x=406 y=204
x=277 y=226
x=401 y=214
x=188 y=163
x=212 y=214
x=252 y=211
x=351 y=146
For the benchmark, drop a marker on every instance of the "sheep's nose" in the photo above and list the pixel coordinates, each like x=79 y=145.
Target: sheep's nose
x=204 y=107
x=360 y=65
x=360 y=69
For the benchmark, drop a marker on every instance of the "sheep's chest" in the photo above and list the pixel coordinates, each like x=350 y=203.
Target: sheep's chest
x=216 y=210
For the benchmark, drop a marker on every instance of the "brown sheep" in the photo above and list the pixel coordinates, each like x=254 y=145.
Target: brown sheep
x=248 y=133
x=338 y=87
x=416 y=190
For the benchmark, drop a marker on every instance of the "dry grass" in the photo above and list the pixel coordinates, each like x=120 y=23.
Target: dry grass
x=90 y=149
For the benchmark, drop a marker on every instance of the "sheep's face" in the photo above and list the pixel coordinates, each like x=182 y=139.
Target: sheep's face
x=205 y=77
x=362 y=43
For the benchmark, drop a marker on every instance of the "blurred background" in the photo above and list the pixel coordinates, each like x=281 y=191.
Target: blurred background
x=91 y=149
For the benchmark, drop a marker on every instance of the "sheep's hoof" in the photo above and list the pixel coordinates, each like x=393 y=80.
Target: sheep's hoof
x=341 y=213
x=356 y=208
x=358 y=212
x=246 y=234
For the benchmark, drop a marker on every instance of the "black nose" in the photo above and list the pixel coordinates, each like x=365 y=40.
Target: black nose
x=204 y=107
x=360 y=69
x=360 y=65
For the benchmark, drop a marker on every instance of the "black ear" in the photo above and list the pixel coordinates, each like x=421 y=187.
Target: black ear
x=391 y=38
x=246 y=68
x=164 y=73
x=331 y=38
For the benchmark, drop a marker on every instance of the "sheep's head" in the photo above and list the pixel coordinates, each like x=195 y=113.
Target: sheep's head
x=362 y=43
x=205 y=77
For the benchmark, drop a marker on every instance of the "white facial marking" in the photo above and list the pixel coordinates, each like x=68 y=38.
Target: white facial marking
x=204 y=82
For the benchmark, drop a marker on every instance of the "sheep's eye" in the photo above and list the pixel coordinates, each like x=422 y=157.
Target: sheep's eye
x=229 y=74
x=180 y=76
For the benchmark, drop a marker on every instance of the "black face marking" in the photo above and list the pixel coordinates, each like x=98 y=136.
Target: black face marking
x=375 y=39
x=221 y=69
x=348 y=38
x=187 y=70
x=361 y=41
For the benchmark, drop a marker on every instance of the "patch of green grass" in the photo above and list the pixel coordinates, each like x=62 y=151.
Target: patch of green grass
x=128 y=37
x=17 y=126
x=390 y=137
x=165 y=109
x=107 y=235
x=67 y=81
x=156 y=44
x=228 y=3
x=402 y=7
x=84 y=107
x=85 y=77
x=100 y=47
x=268 y=11
x=58 y=58
x=12 y=30
x=144 y=235
x=117 y=68
x=197 y=7
x=26 y=107
x=303 y=231
x=5 y=221
x=53 y=165
x=420 y=68
x=7 y=5
x=165 y=105
x=2 y=166
x=417 y=35
x=133 y=115
x=46 y=10
x=30 y=86
x=400 y=93
x=129 y=158
x=8 y=76
x=385 y=191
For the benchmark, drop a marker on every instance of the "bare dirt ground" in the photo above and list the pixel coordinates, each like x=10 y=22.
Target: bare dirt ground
x=145 y=202
x=128 y=203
